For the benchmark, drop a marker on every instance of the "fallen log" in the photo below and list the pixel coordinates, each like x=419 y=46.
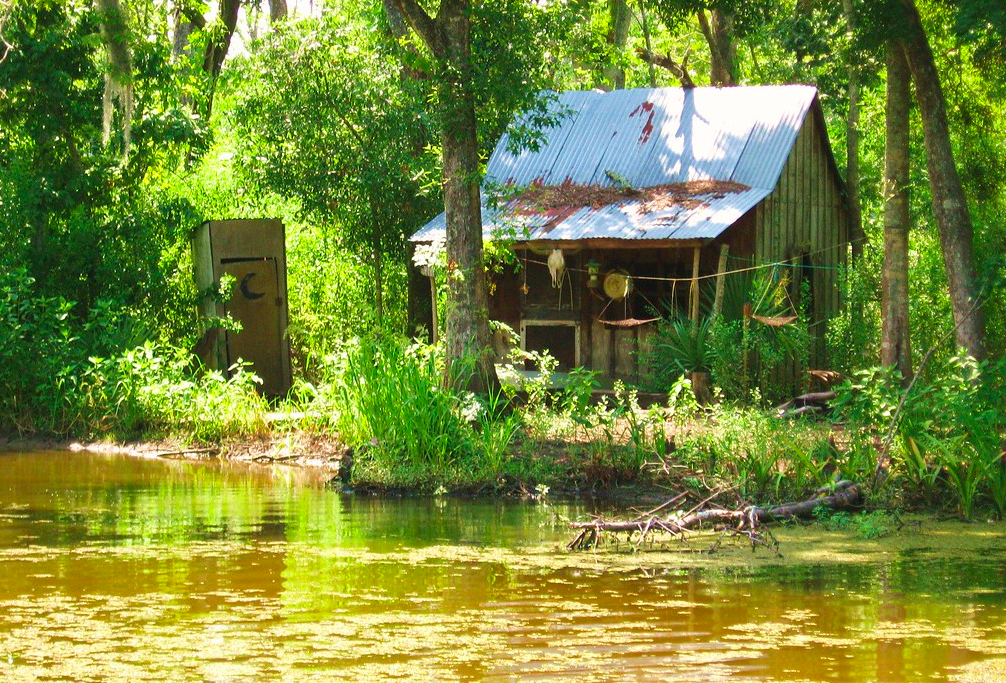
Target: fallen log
x=189 y=453
x=843 y=495
x=813 y=402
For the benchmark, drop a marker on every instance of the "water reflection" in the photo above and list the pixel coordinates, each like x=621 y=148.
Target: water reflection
x=116 y=568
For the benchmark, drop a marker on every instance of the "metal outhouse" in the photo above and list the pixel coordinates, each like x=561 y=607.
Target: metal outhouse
x=253 y=253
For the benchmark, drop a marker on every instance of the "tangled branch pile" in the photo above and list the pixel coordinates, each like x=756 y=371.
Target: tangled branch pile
x=843 y=495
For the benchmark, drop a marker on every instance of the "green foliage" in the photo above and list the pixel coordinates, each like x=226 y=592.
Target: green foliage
x=406 y=428
x=853 y=336
x=747 y=353
x=679 y=348
x=152 y=390
x=949 y=429
x=765 y=458
x=324 y=116
x=865 y=525
x=93 y=378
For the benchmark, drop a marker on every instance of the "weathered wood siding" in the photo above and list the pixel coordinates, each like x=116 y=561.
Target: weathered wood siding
x=806 y=215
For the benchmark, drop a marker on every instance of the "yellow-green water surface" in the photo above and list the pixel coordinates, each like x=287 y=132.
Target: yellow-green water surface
x=121 y=569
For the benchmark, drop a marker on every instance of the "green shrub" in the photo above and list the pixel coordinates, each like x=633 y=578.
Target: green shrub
x=63 y=375
x=680 y=347
x=948 y=432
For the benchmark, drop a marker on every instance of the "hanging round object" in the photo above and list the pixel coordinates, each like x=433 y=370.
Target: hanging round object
x=617 y=285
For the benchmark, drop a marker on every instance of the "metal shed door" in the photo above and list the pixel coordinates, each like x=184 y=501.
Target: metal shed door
x=256 y=303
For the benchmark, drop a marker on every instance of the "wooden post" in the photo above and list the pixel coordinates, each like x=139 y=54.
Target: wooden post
x=428 y=272
x=720 y=281
x=693 y=292
x=744 y=347
x=433 y=303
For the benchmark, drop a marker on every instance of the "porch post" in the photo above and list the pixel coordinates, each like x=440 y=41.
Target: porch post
x=693 y=292
x=721 y=269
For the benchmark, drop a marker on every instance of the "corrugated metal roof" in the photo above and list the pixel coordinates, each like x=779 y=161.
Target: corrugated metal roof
x=652 y=136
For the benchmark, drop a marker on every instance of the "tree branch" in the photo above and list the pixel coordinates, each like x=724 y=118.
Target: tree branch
x=680 y=71
x=423 y=24
x=5 y=47
x=193 y=17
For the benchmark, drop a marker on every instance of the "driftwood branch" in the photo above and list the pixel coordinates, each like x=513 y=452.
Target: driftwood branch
x=185 y=453
x=845 y=494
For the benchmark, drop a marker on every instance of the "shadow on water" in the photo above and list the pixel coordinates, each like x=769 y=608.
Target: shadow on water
x=117 y=568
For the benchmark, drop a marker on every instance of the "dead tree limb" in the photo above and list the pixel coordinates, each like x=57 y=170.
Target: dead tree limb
x=185 y=453
x=844 y=495
x=680 y=71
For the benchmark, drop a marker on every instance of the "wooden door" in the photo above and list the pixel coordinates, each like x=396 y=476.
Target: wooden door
x=256 y=303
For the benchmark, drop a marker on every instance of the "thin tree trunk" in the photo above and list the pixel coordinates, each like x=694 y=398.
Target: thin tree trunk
x=644 y=20
x=950 y=206
x=378 y=278
x=718 y=32
x=895 y=348
x=467 y=296
x=216 y=49
x=180 y=37
x=618 y=35
x=856 y=235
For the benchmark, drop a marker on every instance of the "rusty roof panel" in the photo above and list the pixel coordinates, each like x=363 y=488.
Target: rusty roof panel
x=649 y=137
x=621 y=220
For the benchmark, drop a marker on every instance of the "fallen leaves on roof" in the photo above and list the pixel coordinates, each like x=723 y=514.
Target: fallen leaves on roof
x=547 y=199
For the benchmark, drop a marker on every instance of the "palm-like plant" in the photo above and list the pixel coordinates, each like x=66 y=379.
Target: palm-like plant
x=681 y=347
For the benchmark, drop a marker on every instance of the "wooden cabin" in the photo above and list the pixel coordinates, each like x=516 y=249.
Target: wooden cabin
x=648 y=193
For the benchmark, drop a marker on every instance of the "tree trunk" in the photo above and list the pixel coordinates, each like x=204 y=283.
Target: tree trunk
x=180 y=37
x=217 y=47
x=718 y=32
x=949 y=203
x=378 y=276
x=856 y=235
x=894 y=346
x=646 y=38
x=467 y=331
x=469 y=355
x=618 y=35
x=277 y=10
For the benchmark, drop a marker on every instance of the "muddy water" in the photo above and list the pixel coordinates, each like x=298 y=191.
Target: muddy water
x=114 y=568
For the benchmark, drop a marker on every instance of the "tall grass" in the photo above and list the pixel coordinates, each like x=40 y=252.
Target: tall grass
x=407 y=428
x=153 y=390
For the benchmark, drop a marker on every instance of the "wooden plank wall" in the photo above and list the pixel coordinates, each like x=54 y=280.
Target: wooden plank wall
x=806 y=214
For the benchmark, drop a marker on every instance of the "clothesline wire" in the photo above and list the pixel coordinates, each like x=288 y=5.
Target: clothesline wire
x=788 y=263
